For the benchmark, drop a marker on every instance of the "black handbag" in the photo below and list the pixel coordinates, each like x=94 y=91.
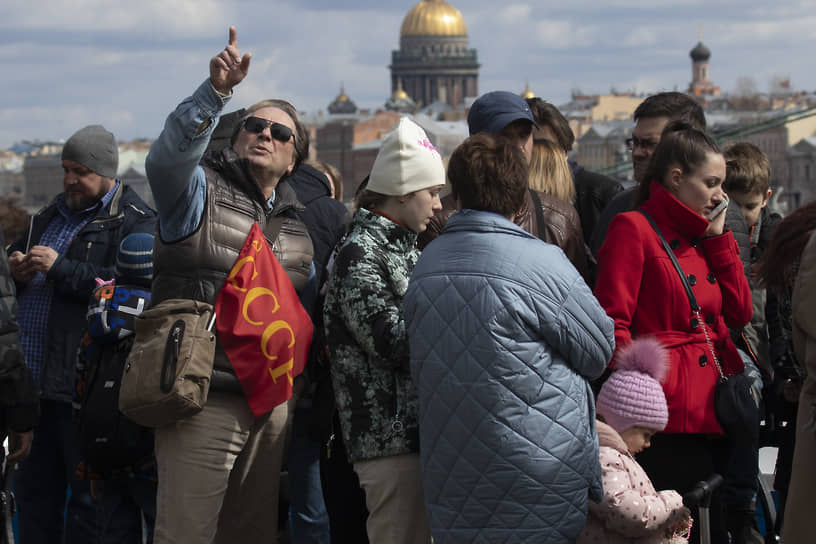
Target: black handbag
x=734 y=406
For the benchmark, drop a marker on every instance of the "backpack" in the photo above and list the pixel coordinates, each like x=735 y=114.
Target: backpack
x=108 y=440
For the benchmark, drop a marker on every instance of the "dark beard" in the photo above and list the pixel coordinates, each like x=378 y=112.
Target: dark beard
x=77 y=203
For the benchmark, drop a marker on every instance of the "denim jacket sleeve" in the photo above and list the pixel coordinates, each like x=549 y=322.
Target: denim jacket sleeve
x=175 y=177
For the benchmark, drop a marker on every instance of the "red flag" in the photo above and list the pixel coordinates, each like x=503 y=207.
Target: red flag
x=262 y=325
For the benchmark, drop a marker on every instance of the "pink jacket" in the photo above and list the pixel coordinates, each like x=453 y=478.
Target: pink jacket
x=631 y=510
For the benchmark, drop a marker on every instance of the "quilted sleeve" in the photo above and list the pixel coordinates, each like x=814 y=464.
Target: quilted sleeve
x=372 y=311
x=625 y=508
x=620 y=272
x=571 y=321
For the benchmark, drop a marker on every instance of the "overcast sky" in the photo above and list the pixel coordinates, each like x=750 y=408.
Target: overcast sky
x=69 y=63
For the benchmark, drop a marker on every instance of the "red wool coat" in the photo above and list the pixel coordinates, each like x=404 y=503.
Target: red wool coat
x=639 y=288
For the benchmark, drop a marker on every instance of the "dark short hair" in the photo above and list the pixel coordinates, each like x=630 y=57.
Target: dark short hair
x=489 y=173
x=747 y=169
x=548 y=115
x=673 y=105
x=301 y=143
x=681 y=146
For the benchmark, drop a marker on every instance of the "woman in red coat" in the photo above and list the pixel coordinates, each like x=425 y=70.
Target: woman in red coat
x=641 y=290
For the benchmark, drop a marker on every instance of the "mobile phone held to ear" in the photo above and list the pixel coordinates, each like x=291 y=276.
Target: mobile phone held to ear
x=718 y=209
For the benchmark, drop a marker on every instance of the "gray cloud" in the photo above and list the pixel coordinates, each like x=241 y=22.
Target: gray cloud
x=126 y=64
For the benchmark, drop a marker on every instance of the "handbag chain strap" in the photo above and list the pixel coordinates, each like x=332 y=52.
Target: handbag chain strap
x=695 y=308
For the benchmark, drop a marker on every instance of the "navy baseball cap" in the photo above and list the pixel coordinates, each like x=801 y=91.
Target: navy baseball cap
x=493 y=111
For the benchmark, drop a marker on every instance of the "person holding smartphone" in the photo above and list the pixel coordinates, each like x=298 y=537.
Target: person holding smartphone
x=641 y=290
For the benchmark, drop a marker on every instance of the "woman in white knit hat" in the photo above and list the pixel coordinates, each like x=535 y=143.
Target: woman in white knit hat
x=376 y=399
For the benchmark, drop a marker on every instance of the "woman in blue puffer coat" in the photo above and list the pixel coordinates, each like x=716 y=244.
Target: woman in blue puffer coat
x=504 y=335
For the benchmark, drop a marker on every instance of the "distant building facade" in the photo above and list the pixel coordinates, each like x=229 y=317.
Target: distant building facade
x=338 y=137
x=802 y=161
x=603 y=145
x=586 y=111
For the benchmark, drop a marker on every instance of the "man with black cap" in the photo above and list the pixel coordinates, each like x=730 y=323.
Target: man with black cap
x=70 y=242
x=545 y=216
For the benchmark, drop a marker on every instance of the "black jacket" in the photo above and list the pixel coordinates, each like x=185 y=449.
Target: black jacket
x=324 y=216
x=593 y=192
x=91 y=254
x=19 y=404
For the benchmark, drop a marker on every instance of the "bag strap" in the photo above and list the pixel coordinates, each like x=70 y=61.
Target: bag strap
x=695 y=308
x=692 y=299
x=539 y=213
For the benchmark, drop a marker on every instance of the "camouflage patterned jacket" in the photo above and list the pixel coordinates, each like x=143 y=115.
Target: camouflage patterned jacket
x=370 y=369
x=19 y=402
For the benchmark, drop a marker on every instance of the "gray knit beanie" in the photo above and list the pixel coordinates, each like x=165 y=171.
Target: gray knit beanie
x=94 y=148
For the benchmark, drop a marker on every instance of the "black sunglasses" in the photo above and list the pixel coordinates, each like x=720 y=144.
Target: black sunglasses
x=257 y=125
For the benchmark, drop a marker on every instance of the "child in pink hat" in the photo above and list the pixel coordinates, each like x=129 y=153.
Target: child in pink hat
x=631 y=407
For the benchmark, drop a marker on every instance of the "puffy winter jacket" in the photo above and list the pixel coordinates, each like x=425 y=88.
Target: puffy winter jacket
x=504 y=335
x=631 y=510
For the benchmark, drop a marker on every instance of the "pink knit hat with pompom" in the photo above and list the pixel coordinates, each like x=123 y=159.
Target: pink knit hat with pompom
x=633 y=396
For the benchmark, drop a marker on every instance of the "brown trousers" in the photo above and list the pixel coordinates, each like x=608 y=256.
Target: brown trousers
x=219 y=473
x=396 y=506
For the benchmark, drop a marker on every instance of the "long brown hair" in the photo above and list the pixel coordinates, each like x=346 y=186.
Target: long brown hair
x=777 y=268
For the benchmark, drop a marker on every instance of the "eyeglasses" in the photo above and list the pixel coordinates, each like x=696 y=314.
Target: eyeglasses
x=256 y=125
x=646 y=145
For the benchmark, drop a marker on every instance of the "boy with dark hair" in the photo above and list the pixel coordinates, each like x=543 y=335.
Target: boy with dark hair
x=747 y=181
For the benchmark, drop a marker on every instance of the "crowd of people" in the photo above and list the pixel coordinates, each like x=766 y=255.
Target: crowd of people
x=535 y=356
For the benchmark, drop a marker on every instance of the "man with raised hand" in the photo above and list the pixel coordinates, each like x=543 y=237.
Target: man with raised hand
x=219 y=470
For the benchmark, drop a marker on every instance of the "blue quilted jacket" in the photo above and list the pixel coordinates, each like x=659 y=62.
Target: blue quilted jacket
x=504 y=335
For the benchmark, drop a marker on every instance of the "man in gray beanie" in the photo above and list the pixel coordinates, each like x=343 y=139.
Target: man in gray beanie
x=94 y=149
x=70 y=243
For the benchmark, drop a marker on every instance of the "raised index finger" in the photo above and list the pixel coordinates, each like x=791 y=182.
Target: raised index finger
x=233 y=36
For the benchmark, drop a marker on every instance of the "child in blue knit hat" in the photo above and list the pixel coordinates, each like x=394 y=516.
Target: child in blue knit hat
x=117 y=454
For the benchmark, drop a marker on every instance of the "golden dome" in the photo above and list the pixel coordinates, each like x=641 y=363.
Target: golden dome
x=527 y=93
x=399 y=93
x=433 y=18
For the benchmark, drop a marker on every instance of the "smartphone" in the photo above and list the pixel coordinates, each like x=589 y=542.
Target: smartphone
x=718 y=209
